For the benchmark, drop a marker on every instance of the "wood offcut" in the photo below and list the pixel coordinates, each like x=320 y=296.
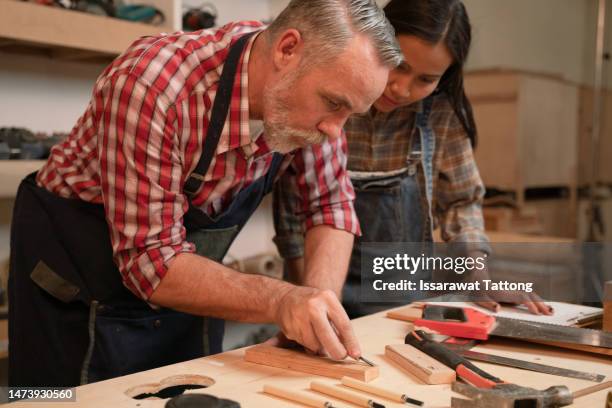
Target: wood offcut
x=300 y=361
x=422 y=366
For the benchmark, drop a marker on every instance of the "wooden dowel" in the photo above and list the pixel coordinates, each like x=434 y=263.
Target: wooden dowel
x=297 y=396
x=372 y=389
x=340 y=394
x=592 y=389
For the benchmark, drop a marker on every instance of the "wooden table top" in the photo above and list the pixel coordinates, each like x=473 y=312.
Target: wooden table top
x=243 y=382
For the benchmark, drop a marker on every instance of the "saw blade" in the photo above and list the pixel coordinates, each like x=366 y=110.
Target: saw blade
x=527 y=365
x=527 y=330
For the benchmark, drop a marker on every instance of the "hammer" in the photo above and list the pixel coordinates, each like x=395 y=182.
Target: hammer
x=484 y=389
x=510 y=396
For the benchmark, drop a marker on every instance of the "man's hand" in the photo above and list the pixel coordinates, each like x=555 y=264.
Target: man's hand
x=315 y=319
x=532 y=301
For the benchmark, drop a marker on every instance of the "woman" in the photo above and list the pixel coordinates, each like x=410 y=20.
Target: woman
x=410 y=157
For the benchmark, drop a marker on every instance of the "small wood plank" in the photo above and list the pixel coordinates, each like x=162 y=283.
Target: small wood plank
x=607 y=312
x=424 y=367
x=300 y=361
x=407 y=314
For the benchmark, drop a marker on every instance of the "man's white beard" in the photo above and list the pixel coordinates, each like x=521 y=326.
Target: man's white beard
x=278 y=135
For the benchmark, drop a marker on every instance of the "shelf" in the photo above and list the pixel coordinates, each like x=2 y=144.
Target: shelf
x=66 y=34
x=12 y=172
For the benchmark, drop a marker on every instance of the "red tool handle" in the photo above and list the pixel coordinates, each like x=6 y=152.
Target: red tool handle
x=464 y=368
x=457 y=321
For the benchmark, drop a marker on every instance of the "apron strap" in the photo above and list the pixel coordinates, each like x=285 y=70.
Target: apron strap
x=416 y=145
x=219 y=114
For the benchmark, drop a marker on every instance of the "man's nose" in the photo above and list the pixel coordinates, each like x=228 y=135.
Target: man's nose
x=332 y=127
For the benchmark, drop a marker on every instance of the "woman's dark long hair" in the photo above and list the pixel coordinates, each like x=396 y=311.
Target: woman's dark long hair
x=434 y=21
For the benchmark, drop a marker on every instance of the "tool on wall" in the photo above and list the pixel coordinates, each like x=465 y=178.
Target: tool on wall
x=198 y=18
x=99 y=7
x=21 y=143
x=143 y=13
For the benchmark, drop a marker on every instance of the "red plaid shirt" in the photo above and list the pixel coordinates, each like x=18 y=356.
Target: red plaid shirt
x=142 y=135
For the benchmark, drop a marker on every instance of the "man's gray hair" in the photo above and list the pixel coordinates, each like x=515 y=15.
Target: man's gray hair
x=327 y=26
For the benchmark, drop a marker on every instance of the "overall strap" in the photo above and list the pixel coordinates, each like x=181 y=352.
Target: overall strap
x=421 y=122
x=418 y=140
x=219 y=114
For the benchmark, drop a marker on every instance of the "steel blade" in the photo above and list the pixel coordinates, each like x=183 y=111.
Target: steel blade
x=526 y=330
x=527 y=365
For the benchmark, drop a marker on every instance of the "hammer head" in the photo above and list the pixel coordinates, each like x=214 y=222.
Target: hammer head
x=510 y=396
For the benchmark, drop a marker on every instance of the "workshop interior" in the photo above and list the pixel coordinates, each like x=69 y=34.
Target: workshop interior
x=505 y=164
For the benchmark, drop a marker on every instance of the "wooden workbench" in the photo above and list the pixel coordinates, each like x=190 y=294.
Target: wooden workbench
x=235 y=379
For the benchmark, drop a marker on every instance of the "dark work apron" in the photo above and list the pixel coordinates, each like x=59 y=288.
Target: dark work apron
x=71 y=320
x=392 y=209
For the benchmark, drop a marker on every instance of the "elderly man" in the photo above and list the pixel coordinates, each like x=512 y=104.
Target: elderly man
x=184 y=135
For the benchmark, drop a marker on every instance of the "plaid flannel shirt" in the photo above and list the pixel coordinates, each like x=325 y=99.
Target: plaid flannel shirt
x=379 y=143
x=143 y=133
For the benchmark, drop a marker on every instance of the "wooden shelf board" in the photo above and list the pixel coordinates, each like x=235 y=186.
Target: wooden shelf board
x=49 y=28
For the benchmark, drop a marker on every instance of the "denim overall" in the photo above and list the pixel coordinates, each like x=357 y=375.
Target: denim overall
x=393 y=209
x=71 y=319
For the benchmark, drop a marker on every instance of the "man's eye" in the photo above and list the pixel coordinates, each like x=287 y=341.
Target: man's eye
x=403 y=68
x=332 y=105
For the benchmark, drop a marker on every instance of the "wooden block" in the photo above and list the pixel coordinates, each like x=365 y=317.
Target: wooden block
x=525 y=221
x=424 y=367
x=300 y=361
x=408 y=314
x=607 y=302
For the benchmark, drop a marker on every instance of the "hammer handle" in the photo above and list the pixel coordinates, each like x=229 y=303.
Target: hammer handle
x=464 y=368
x=592 y=389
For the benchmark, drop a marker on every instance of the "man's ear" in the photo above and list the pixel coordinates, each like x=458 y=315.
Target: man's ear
x=288 y=49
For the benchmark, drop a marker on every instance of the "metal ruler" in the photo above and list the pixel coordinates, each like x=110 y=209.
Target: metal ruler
x=527 y=365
